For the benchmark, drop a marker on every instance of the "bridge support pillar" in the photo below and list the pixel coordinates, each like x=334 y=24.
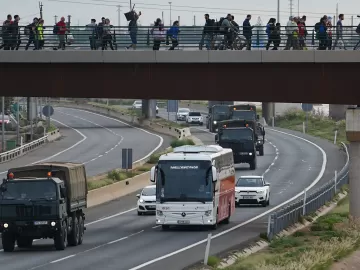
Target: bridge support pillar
x=337 y=112
x=353 y=135
x=149 y=108
x=268 y=111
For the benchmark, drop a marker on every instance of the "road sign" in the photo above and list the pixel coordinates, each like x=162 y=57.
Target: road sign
x=45 y=111
x=307 y=107
x=172 y=106
x=126 y=160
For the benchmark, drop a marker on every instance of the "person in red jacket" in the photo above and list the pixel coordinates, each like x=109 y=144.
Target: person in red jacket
x=61 y=32
x=302 y=34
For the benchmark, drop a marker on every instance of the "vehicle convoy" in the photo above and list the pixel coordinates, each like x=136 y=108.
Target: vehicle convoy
x=147 y=200
x=46 y=200
x=259 y=133
x=217 y=114
x=195 y=185
x=252 y=190
x=241 y=140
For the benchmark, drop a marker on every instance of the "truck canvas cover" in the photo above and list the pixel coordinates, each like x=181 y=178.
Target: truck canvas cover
x=73 y=175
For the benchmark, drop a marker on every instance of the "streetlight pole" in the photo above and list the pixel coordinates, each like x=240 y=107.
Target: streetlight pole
x=278 y=11
x=170 y=12
x=18 y=122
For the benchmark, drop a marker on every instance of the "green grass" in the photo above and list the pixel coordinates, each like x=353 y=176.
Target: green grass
x=177 y=143
x=213 y=261
x=318 y=125
x=329 y=239
x=52 y=128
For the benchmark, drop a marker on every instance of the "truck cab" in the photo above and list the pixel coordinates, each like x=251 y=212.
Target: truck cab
x=38 y=202
x=241 y=140
x=217 y=114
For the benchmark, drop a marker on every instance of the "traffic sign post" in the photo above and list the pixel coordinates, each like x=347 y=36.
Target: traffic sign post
x=172 y=106
x=126 y=160
x=48 y=111
x=306 y=108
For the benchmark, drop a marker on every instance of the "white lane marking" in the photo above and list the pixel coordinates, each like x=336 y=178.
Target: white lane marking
x=97 y=247
x=320 y=175
x=110 y=217
x=95 y=124
x=143 y=130
x=63 y=151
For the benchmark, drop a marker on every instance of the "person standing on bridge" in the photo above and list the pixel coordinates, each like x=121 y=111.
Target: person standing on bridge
x=15 y=33
x=339 y=32
x=292 y=30
x=40 y=35
x=133 y=29
x=61 y=32
x=107 y=37
x=158 y=34
x=329 y=33
x=91 y=29
x=173 y=33
x=31 y=33
x=6 y=33
x=247 y=31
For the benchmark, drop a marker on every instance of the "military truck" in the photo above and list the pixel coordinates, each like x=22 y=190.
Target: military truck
x=242 y=142
x=220 y=113
x=45 y=200
x=259 y=133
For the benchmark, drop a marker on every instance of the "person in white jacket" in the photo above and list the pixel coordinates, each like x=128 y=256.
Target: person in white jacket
x=292 y=34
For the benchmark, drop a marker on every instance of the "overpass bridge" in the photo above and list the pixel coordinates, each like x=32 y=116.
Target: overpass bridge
x=265 y=76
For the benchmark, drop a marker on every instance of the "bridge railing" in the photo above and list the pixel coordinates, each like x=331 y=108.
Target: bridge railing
x=190 y=38
x=309 y=203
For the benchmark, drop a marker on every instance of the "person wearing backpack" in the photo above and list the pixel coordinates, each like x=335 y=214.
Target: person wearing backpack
x=173 y=34
x=322 y=33
x=31 y=35
x=270 y=29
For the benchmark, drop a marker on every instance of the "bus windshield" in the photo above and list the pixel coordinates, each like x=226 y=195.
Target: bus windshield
x=241 y=134
x=246 y=115
x=184 y=180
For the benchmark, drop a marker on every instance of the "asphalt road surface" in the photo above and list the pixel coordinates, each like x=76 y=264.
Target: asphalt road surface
x=92 y=139
x=116 y=238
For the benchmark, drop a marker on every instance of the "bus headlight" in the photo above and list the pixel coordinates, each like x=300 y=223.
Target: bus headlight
x=215 y=122
x=208 y=213
x=159 y=212
x=6 y=225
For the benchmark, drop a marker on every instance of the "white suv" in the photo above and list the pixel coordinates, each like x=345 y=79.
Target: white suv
x=195 y=118
x=147 y=200
x=252 y=190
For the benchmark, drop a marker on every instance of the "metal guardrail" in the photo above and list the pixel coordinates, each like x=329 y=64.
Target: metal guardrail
x=309 y=204
x=19 y=151
x=189 y=38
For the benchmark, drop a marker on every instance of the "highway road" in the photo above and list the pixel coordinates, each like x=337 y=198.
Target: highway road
x=116 y=238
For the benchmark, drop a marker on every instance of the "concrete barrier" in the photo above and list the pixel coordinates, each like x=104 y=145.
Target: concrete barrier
x=26 y=148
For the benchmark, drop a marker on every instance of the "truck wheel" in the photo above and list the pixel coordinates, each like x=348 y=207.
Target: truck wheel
x=261 y=150
x=8 y=242
x=24 y=242
x=60 y=240
x=73 y=236
x=253 y=165
x=81 y=230
x=165 y=227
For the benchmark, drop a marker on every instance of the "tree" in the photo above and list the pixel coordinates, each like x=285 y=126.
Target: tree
x=8 y=102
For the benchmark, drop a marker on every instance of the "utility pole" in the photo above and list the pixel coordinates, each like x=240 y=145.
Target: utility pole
x=298 y=8
x=3 y=124
x=170 y=13
x=56 y=19
x=337 y=10
x=41 y=9
x=291 y=7
x=278 y=11
x=119 y=15
x=162 y=16
x=130 y=5
x=194 y=20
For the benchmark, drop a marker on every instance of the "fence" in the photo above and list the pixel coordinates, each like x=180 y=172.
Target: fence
x=22 y=150
x=190 y=38
x=309 y=204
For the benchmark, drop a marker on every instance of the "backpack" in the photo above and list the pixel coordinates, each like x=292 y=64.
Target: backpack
x=358 y=29
x=218 y=25
x=317 y=27
x=55 y=29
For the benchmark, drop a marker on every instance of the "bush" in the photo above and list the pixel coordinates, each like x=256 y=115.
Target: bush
x=177 y=142
x=213 y=261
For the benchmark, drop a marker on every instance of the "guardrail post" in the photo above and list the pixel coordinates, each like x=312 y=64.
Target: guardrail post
x=207 y=250
x=272 y=121
x=335 y=136
x=304 y=204
x=335 y=182
x=304 y=127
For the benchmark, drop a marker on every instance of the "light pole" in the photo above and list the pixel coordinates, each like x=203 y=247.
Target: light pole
x=3 y=124
x=170 y=12
x=278 y=11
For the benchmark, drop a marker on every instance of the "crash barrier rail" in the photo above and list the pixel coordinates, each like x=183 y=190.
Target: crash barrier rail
x=190 y=38
x=22 y=150
x=309 y=203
